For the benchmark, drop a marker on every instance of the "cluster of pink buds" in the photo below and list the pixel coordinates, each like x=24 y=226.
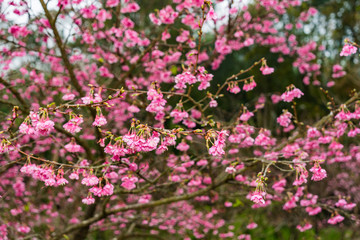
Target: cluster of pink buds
x=265 y=69
x=157 y=103
x=249 y=85
x=318 y=172
x=4 y=146
x=188 y=78
x=348 y=49
x=219 y=144
x=342 y=203
x=100 y=120
x=72 y=146
x=45 y=174
x=284 y=119
x=301 y=174
x=90 y=180
x=335 y=219
x=291 y=93
x=73 y=125
x=129 y=182
x=307 y=226
x=338 y=71
x=234 y=87
x=142 y=140
x=107 y=190
x=258 y=196
x=40 y=124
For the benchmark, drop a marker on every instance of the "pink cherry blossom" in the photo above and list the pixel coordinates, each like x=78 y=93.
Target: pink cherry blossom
x=348 y=50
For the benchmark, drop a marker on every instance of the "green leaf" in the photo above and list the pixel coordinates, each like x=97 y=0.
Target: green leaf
x=173 y=69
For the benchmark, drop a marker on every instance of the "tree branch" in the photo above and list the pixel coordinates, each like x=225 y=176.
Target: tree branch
x=222 y=180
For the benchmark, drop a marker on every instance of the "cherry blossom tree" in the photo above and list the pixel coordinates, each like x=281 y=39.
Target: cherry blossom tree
x=113 y=126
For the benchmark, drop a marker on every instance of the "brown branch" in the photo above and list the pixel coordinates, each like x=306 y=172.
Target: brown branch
x=16 y=94
x=62 y=49
x=222 y=180
x=88 y=152
x=133 y=66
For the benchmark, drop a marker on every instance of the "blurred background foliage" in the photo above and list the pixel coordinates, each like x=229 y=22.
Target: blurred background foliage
x=336 y=21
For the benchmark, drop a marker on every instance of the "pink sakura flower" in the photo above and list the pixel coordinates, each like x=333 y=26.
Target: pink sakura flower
x=343 y=115
x=244 y=236
x=313 y=133
x=99 y=121
x=183 y=37
x=257 y=198
x=263 y=139
x=157 y=102
x=266 y=70
x=235 y=89
x=251 y=225
x=108 y=190
x=279 y=186
x=112 y=3
x=230 y=170
x=118 y=152
x=338 y=71
x=68 y=97
x=145 y=198
x=178 y=115
x=131 y=7
x=349 y=206
x=318 y=173
x=182 y=147
x=50 y=182
x=72 y=147
x=129 y=183
x=289 y=95
x=204 y=78
x=88 y=200
x=167 y=15
x=343 y=204
x=184 y=78
x=348 y=50
x=307 y=226
x=248 y=86
x=23 y=229
x=73 y=125
x=87 y=100
x=133 y=109
x=154 y=19
x=211 y=14
x=44 y=126
x=246 y=116
x=284 y=119
x=336 y=219
x=290 y=204
x=313 y=211
x=222 y=47
x=219 y=144
x=213 y=103
x=169 y=141
x=26 y=128
x=74 y=176
x=275 y=98
x=62 y=181
x=4 y=147
x=97 y=191
x=90 y=181
x=104 y=72
x=161 y=149
x=301 y=175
